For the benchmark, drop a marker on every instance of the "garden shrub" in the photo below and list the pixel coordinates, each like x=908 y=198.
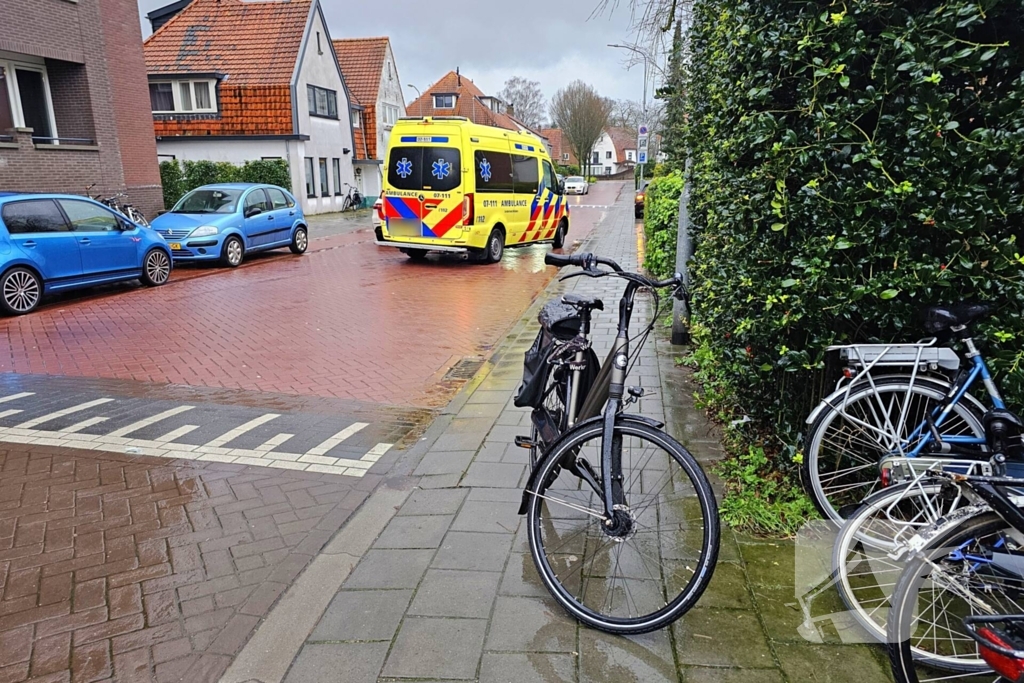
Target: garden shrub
x=661 y=224
x=179 y=178
x=852 y=163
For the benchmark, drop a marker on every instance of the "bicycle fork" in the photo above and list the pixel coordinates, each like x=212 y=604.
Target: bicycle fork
x=611 y=445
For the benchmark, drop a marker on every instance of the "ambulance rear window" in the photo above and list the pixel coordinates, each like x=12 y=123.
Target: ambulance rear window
x=437 y=169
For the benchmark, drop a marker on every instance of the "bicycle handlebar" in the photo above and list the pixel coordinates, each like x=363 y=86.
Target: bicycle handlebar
x=589 y=263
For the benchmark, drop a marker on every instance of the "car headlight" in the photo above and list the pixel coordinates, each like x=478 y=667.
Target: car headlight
x=205 y=231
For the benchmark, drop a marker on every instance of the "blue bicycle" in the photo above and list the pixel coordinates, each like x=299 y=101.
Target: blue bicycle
x=901 y=409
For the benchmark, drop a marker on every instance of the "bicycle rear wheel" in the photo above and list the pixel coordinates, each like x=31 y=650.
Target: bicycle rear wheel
x=655 y=564
x=967 y=570
x=853 y=434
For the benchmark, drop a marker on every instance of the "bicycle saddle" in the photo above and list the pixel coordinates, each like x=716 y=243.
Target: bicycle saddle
x=942 y=318
x=580 y=302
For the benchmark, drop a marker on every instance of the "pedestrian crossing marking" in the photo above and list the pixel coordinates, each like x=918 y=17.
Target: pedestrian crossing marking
x=15 y=397
x=264 y=455
x=61 y=413
x=136 y=426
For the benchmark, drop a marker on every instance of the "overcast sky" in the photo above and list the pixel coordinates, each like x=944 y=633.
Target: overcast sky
x=550 y=41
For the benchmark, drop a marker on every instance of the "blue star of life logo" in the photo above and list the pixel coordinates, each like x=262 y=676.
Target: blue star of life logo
x=404 y=168
x=485 y=170
x=441 y=169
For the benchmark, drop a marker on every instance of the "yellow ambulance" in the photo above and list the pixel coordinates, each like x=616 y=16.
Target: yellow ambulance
x=453 y=185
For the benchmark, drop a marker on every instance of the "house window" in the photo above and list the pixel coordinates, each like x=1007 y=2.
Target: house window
x=607 y=170
x=629 y=155
x=357 y=117
x=607 y=155
x=389 y=71
x=390 y=114
x=25 y=99
x=310 y=182
x=565 y=156
x=597 y=157
x=337 y=175
x=182 y=97
x=322 y=102
x=325 y=185
x=444 y=101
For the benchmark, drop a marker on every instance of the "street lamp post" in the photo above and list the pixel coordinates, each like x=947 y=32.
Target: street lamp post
x=419 y=95
x=647 y=69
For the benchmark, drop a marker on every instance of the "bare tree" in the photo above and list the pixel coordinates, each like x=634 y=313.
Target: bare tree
x=526 y=99
x=582 y=115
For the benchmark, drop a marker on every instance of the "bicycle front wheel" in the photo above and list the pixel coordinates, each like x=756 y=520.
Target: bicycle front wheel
x=655 y=564
x=857 y=430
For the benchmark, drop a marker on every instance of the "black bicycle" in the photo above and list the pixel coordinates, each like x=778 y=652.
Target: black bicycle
x=117 y=204
x=622 y=523
x=353 y=200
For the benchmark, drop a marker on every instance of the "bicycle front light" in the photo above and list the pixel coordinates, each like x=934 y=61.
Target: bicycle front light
x=205 y=231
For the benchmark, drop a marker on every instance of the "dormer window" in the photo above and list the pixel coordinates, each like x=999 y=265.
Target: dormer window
x=322 y=102
x=444 y=101
x=183 y=97
x=357 y=117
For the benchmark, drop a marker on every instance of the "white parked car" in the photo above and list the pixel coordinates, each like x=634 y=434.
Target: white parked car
x=577 y=185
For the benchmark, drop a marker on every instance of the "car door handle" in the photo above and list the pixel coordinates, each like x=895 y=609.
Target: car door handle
x=28 y=243
x=270 y=218
x=291 y=213
x=84 y=240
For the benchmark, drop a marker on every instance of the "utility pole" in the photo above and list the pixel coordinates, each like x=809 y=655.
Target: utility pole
x=643 y=124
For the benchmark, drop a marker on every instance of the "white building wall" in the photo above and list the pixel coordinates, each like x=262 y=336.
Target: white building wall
x=328 y=138
x=234 y=151
x=390 y=93
x=603 y=147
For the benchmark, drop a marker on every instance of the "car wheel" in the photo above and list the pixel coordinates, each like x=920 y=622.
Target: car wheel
x=21 y=291
x=231 y=254
x=300 y=242
x=415 y=254
x=156 y=268
x=559 y=240
x=495 y=246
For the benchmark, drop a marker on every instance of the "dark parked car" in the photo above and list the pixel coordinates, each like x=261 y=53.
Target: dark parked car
x=641 y=195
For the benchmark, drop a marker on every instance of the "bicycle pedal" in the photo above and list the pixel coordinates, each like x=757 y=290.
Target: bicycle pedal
x=524 y=442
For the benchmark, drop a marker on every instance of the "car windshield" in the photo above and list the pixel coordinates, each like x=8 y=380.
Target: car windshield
x=574 y=179
x=207 y=201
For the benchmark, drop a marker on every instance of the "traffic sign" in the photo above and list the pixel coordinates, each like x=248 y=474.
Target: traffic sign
x=643 y=130
x=641 y=157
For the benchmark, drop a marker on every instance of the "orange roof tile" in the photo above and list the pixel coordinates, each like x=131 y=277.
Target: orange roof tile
x=623 y=139
x=362 y=63
x=469 y=103
x=559 y=146
x=254 y=43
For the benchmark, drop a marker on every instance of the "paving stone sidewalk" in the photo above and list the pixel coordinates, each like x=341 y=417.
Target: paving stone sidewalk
x=448 y=591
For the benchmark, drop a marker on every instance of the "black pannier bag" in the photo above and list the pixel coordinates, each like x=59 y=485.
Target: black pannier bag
x=558 y=322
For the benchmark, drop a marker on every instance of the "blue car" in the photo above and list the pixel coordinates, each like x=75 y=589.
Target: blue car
x=56 y=242
x=225 y=222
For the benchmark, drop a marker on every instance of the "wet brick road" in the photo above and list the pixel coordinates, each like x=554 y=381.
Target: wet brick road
x=171 y=459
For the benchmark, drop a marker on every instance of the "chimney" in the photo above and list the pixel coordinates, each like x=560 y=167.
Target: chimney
x=510 y=109
x=458 y=76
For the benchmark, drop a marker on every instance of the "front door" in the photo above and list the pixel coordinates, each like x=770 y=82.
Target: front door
x=259 y=219
x=107 y=249
x=42 y=233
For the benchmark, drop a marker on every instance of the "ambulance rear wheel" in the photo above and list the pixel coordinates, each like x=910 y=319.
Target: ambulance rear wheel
x=559 y=240
x=415 y=254
x=495 y=246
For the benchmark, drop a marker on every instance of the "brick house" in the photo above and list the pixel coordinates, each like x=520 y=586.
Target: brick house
x=371 y=74
x=558 y=147
x=238 y=81
x=73 y=100
x=456 y=95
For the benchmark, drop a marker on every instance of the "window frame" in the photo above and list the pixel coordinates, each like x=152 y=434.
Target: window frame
x=267 y=204
x=310 y=178
x=325 y=180
x=119 y=221
x=176 y=85
x=53 y=202
x=357 y=118
x=14 y=92
x=336 y=170
x=270 y=196
x=444 y=97
x=607 y=154
x=330 y=102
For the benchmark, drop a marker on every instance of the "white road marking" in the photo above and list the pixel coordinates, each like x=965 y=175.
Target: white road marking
x=61 y=413
x=15 y=397
x=337 y=438
x=176 y=433
x=242 y=429
x=136 y=426
x=8 y=413
x=79 y=426
x=273 y=442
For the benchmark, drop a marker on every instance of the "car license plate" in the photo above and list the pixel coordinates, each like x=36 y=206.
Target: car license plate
x=401 y=227
x=175 y=245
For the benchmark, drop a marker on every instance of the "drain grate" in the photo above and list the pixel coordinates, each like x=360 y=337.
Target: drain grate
x=464 y=369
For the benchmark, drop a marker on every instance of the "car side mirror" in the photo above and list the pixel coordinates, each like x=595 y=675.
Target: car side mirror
x=561 y=187
x=253 y=211
x=124 y=226
x=161 y=212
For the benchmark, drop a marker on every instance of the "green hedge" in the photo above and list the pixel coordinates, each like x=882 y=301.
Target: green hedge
x=179 y=178
x=852 y=163
x=661 y=224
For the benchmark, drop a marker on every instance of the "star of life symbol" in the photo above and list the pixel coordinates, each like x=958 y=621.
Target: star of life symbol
x=404 y=168
x=441 y=169
x=485 y=170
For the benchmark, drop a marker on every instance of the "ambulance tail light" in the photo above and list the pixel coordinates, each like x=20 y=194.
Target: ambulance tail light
x=467 y=209
x=379 y=207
